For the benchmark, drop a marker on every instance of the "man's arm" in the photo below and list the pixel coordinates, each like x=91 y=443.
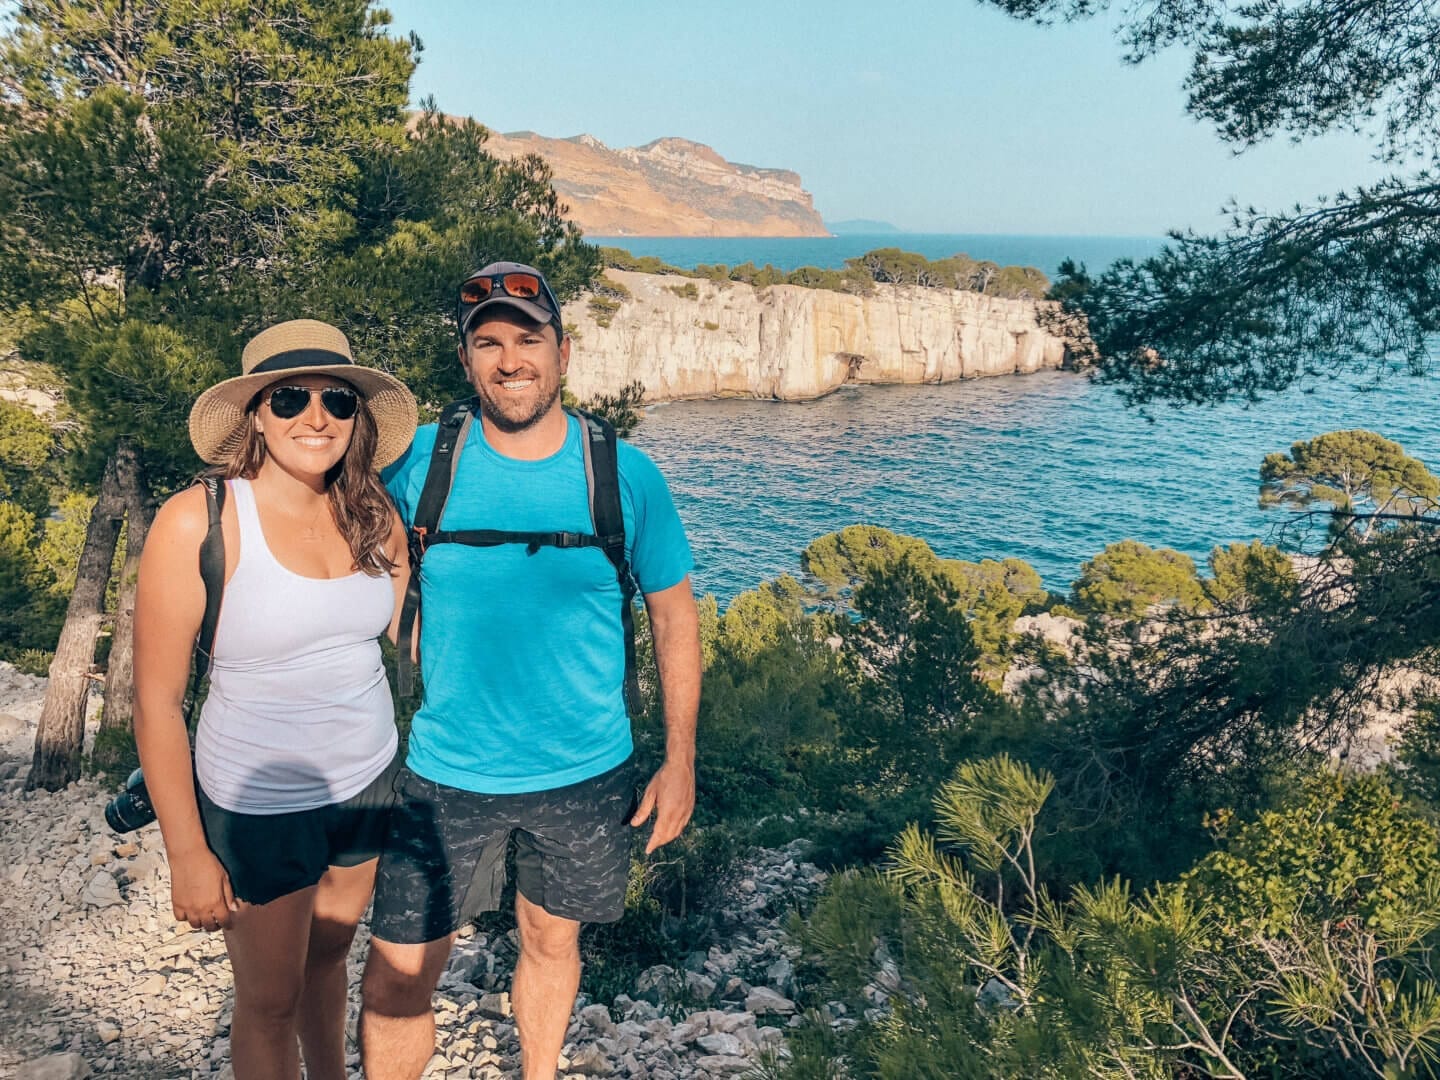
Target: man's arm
x=670 y=795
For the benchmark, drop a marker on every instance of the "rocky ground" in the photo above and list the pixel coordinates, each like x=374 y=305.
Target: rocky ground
x=98 y=980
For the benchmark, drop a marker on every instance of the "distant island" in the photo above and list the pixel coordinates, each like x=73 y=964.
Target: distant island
x=668 y=187
x=860 y=227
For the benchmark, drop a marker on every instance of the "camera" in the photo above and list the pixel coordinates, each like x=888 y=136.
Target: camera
x=130 y=809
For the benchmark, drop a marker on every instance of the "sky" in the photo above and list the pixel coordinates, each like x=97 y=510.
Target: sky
x=935 y=117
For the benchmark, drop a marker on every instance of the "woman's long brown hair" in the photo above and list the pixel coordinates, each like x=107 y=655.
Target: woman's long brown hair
x=359 y=503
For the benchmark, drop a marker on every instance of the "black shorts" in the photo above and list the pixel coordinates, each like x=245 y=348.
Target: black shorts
x=272 y=855
x=445 y=859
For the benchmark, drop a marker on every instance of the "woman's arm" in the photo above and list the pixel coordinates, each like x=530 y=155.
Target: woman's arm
x=397 y=548
x=169 y=605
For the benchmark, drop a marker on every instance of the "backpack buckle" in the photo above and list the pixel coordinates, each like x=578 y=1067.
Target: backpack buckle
x=417 y=542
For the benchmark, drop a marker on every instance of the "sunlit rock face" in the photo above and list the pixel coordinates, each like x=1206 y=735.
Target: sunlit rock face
x=792 y=343
x=669 y=187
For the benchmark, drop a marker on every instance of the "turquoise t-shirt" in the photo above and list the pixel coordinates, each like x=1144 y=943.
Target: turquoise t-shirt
x=523 y=655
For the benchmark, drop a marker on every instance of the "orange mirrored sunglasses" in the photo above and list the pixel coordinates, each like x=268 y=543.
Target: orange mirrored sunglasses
x=520 y=285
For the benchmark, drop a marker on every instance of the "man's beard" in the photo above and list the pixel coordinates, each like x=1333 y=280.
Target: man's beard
x=518 y=420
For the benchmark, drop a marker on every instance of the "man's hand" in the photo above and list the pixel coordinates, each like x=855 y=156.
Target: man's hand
x=670 y=796
x=675 y=626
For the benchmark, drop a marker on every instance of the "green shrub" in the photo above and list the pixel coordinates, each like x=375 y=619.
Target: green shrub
x=114 y=754
x=688 y=291
x=1417 y=753
x=33 y=661
x=1246 y=574
x=1306 y=944
x=603 y=308
x=1129 y=578
x=607 y=296
x=620 y=259
x=1346 y=848
x=622 y=409
x=893 y=266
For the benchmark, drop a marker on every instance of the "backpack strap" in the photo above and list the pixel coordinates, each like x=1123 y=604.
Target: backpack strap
x=212 y=573
x=450 y=435
x=602 y=480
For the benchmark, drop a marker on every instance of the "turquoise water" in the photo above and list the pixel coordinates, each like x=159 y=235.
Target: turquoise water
x=1044 y=252
x=1048 y=468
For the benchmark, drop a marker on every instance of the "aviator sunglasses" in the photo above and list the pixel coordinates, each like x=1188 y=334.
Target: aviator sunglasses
x=288 y=402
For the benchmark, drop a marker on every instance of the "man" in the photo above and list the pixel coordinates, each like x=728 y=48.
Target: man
x=523 y=730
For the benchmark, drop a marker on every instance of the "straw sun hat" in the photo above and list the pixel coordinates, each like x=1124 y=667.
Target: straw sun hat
x=300 y=347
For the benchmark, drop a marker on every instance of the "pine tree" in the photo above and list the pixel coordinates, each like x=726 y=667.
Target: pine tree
x=179 y=174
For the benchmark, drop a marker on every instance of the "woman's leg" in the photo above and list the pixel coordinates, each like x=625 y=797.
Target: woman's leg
x=267 y=944
x=340 y=901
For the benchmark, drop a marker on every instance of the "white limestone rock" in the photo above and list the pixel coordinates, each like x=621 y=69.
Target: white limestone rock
x=598 y=1019
x=657 y=984
x=762 y=1001
x=590 y=1061
x=12 y=727
x=793 y=343
x=101 y=891
x=495 y=1006
x=719 y=1065
x=67 y=1066
x=721 y=1043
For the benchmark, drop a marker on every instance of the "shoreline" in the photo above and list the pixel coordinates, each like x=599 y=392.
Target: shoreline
x=858 y=387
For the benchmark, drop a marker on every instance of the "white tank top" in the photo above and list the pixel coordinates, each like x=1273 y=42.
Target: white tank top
x=299 y=713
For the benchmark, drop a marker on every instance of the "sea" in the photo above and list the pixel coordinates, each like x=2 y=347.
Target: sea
x=1049 y=468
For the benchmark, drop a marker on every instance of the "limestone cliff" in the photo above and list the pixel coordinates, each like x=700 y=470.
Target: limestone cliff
x=688 y=338
x=670 y=187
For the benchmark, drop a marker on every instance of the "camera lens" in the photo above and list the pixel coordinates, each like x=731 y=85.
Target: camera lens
x=130 y=809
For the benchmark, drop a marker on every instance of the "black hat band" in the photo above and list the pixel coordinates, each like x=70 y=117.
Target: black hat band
x=300 y=358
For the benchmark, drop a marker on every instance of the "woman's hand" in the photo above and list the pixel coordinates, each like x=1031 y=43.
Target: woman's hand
x=200 y=891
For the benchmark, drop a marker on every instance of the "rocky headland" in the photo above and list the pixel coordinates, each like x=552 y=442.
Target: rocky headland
x=669 y=187
x=696 y=338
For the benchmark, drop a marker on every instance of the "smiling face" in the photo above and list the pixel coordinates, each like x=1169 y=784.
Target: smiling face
x=515 y=366
x=310 y=444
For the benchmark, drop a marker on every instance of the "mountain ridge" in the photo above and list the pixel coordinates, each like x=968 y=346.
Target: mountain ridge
x=670 y=186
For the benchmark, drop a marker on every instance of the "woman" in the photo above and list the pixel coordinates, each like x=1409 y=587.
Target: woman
x=295 y=749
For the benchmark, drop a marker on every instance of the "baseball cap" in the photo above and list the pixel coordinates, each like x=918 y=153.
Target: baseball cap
x=508 y=284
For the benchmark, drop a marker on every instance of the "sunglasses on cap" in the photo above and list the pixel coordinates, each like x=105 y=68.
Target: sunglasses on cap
x=288 y=402
x=514 y=283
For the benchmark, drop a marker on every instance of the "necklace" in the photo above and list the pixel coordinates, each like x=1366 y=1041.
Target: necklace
x=306 y=527
x=311 y=533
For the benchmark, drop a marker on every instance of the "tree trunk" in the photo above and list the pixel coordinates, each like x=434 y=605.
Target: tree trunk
x=60 y=739
x=112 y=746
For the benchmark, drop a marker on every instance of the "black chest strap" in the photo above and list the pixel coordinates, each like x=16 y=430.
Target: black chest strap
x=602 y=482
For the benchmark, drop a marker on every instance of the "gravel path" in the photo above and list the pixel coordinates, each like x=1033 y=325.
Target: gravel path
x=97 y=979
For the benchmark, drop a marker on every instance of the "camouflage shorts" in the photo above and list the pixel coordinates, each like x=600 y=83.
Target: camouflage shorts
x=444 y=861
